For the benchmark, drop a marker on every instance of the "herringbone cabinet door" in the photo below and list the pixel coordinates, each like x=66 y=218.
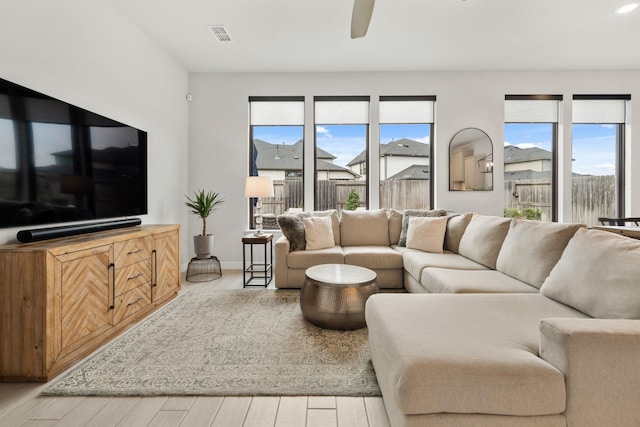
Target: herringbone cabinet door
x=167 y=274
x=86 y=296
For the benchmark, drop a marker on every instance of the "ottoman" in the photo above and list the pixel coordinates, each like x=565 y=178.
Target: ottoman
x=333 y=296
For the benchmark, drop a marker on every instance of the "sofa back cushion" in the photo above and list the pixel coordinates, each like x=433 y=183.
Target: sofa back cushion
x=456 y=225
x=364 y=228
x=408 y=213
x=395 y=226
x=532 y=248
x=598 y=274
x=483 y=237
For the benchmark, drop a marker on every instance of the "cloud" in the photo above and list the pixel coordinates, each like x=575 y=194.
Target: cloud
x=527 y=145
x=507 y=143
x=324 y=131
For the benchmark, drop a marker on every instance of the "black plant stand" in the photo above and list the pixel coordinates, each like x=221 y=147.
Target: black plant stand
x=203 y=270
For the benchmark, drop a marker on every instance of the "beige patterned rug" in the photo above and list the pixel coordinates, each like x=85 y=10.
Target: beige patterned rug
x=227 y=342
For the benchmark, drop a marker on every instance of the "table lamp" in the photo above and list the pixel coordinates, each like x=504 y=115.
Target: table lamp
x=258 y=187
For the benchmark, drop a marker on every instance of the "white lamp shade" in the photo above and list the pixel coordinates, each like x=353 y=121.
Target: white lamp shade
x=258 y=186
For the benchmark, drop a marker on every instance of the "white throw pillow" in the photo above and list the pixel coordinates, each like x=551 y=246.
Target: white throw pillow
x=427 y=233
x=318 y=232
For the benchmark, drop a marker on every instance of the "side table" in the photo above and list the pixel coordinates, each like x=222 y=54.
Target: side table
x=255 y=270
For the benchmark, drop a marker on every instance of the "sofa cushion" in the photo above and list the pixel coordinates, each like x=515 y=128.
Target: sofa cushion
x=335 y=222
x=455 y=229
x=598 y=274
x=395 y=225
x=471 y=353
x=532 y=248
x=408 y=213
x=292 y=228
x=415 y=261
x=426 y=234
x=306 y=259
x=483 y=237
x=361 y=228
x=450 y=281
x=374 y=257
x=318 y=233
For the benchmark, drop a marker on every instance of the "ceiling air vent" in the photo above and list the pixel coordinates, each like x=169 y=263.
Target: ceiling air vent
x=220 y=32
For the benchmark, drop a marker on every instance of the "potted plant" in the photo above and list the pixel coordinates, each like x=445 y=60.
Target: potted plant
x=203 y=204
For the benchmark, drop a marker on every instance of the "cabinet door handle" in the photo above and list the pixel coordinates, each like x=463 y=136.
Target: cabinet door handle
x=135 y=251
x=135 y=276
x=135 y=302
x=112 y=266
x=155 y=268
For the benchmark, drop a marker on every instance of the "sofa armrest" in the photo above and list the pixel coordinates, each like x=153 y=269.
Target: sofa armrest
x=280 y=263
x=599 y=359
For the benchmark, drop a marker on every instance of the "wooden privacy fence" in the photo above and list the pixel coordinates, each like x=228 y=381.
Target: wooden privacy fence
x=591 y=197
x=332 y=194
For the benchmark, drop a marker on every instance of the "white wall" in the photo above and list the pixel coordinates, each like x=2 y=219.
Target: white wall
x=87 y=53
x=218 y=129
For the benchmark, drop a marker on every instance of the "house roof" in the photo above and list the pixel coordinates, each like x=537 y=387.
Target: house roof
x=513 y=154
x=402 y=147
x=289 y=157
x=413 y=172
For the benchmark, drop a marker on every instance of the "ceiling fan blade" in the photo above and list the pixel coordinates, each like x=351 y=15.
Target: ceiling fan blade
x=362 y=11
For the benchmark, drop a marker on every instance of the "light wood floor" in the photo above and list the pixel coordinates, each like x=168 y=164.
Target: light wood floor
x=21 y=404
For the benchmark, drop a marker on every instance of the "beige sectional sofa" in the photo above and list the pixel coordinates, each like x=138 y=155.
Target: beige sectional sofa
x=543 y=328
x=364 y=238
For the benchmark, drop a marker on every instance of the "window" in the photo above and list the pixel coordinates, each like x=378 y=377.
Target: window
x=598 y=157
x=530 y=156
x=341 y=151
x=276 y=150
x=406 y=129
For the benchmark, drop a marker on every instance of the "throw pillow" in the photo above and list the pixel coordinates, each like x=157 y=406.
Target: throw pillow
x=318 y=233
x=408 y=213
x=598 y=275
x=335 y=221
x=293 y=229
x=426 y=234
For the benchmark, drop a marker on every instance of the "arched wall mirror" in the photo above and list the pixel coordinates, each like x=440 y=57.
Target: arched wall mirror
x=471 y=161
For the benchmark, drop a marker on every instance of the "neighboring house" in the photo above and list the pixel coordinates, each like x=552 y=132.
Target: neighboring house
x=413 y=172
x=395 y=157
x=281 y=161
x=532 y=159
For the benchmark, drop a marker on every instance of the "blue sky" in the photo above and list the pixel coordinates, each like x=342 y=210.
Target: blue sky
x=593 y=146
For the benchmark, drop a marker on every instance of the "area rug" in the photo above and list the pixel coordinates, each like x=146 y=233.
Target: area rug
x=227 y=342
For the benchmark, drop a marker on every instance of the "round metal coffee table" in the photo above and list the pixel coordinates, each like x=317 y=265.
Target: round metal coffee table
x=333 y=295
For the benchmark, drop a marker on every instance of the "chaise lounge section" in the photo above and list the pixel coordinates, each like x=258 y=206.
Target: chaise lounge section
x=564 y=356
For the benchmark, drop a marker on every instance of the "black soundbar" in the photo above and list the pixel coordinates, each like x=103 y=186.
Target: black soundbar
x=35 y=235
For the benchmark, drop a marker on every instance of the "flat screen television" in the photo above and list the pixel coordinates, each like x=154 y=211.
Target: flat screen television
x=60 y=163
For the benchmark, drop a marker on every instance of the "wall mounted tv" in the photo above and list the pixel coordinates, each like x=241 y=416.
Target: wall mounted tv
x=61 y=163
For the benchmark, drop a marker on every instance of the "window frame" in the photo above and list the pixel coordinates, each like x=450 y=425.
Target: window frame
x=554 y=144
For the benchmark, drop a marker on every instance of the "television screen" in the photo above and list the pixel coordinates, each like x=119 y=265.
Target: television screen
x=61 y=163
